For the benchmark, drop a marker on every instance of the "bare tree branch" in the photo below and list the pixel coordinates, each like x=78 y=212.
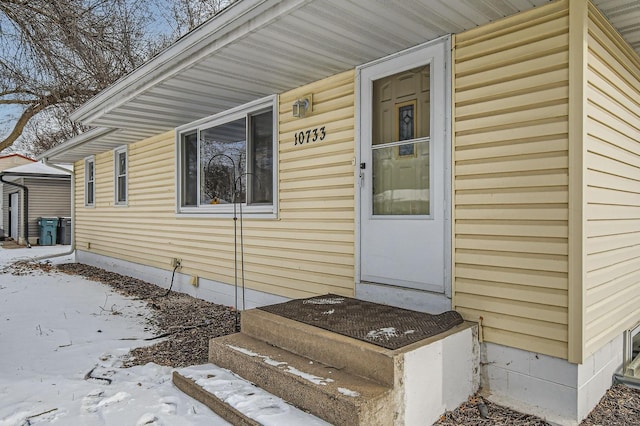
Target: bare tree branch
x=15 y=102
x=63 y=52
x=57 y=54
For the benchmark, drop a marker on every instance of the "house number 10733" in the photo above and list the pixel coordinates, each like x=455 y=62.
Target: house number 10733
x=311 y=135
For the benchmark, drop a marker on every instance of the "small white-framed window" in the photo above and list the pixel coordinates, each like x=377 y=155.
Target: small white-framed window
x=229 y=159
x=631 y=352
x=89 y=182
x=120 y=163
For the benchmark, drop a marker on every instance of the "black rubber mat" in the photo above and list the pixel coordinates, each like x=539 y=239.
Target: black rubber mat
x=381 y=325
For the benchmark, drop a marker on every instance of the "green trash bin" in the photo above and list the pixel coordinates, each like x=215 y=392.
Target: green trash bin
x=48 y=230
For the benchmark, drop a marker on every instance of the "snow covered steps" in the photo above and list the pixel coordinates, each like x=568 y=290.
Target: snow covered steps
x=332 y=394
x=347 y=381
x=238 y=401
x=192 y=388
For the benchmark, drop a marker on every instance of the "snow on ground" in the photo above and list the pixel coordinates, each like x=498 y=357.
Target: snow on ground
x=54 y=330
x=62 y=340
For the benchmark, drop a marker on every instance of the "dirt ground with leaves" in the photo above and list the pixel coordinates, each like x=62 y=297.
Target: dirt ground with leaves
x=184 y=325
x=619 y=407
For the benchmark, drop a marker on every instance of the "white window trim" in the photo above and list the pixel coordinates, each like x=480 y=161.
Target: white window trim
x=88 y=160
x=257 y=211
x=117 y=151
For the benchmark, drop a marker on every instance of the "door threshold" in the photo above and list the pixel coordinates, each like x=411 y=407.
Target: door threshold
x=403 y=297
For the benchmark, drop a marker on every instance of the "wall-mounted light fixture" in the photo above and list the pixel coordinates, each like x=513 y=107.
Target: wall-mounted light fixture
x=302 y=106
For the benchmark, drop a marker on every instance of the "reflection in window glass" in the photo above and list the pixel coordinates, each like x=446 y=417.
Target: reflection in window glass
x=89 y=182
x=402 y=106
x=223 y=162
x=121 y=177
x=401 y=143
x=401 y=185
x=190 y=169
x=260 y=179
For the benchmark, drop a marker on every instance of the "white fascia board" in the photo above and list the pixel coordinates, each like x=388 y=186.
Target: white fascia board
x=74 y=142
x=233 y=23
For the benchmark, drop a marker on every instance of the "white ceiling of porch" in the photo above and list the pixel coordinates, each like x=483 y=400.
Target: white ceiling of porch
x=624 y=15
x=315 y=39
x=269 y=46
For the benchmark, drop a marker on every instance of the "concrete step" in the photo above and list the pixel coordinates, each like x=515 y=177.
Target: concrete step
x=224 y=410
x=341 y=352
x=237 y=400
x=330 y=393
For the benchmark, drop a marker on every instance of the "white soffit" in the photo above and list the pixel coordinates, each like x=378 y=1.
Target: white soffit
x=90 y=143
x=287 y=44
x=624 y=15
x=257 y=48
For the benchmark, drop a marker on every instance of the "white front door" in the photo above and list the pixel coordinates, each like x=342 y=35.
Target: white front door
x=14 y=206
x=404 y=169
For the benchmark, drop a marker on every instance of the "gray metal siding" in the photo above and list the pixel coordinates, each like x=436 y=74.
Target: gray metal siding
x=47 y=198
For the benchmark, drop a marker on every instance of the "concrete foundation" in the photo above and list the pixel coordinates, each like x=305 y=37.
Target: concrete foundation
x=554 y=389
x=440 y=376
x=208 y=290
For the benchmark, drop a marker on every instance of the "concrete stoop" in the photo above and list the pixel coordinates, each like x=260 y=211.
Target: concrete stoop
x=325 y=391
x=349 y=382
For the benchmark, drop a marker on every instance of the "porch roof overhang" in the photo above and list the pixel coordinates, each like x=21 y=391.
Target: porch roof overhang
x=257 y=48
x=89 y=143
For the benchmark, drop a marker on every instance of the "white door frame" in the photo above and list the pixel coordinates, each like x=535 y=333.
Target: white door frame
x=445 y=44
x=14 y=218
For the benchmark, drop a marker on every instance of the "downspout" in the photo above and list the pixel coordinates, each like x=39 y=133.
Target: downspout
x=632 y=382
x=26 y=206
x=45 y=161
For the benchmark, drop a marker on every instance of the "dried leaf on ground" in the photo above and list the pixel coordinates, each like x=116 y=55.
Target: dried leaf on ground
x=469 y=413
x=188 y=322
x=620 y=406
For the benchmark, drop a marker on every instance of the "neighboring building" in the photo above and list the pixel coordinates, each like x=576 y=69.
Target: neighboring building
x=493 y=171
x=12 y=160
x=6 y=162
x=48 y=194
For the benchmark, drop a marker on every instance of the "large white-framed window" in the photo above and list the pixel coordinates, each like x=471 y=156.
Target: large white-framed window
x=120 y=167
x=89 y=181
x=228 y=160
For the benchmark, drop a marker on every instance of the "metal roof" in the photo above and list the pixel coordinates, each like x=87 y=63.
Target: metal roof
x=257 y=48
x=37 y=170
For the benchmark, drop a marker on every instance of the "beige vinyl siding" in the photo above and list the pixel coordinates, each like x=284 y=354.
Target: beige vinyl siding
x=511 y=179
x=308 y=249
x=612 y=180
